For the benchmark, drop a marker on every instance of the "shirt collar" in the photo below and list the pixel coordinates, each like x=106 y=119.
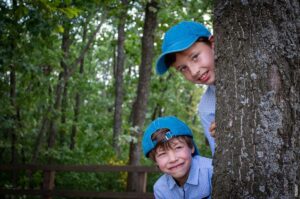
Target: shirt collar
x=171 y=182
x=212 y=87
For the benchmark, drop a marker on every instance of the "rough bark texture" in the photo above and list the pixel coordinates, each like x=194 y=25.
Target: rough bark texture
x=140 y=104
x=258 y=99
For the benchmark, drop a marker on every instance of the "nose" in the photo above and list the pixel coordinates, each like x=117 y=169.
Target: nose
x=172 y=156
x=194 y=70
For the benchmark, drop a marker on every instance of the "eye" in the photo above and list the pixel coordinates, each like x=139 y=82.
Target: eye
x=195 y=57
x=182 y=68
x=160 y=154
x=178 y=147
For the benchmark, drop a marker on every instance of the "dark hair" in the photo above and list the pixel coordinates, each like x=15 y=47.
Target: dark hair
x=171 y=58
x=159 y=137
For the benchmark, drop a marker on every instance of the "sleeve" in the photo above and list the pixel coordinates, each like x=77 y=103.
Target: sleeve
x=158 y=195
x=206 y=112
x=206 y=120
x=210 y=175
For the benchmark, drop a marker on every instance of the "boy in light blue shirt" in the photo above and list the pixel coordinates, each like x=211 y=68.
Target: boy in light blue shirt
x=169 y=143
x=189 y=48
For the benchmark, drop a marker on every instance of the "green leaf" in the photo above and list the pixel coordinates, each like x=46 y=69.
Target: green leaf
x=59 y=29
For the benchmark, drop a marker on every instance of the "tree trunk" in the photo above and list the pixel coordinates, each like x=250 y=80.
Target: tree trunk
x=78 y=96
x=63 y=79
x=140 y=104
x=63 y=119
x=48 y=177
x=12 y=129
x=258 y=99
x=65 y=47
x=14 y=115
x=119 y=78
x=42 y=130
x=39 y=138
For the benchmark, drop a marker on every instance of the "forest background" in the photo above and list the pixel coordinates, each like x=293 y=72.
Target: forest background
x=72 y=74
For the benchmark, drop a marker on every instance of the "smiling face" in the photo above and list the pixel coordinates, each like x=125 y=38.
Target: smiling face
x=175 y=160
x=197 y=63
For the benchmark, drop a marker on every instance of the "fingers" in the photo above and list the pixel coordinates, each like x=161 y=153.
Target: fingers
x=212 y=129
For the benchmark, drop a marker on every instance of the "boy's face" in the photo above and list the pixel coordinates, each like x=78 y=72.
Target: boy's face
x=197 y=63
x=175 y=161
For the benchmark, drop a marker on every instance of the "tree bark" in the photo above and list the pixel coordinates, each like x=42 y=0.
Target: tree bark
x=140 y=104
x=119 y=78
x=258 y=99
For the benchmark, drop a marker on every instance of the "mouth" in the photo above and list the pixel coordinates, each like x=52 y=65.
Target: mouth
x=204 y=77
x=176 y=166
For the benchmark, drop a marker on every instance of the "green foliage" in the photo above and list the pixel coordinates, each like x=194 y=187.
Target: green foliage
x=31 y=49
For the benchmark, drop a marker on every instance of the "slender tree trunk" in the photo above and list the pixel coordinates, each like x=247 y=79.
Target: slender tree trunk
x=78 y=96
x=42 y=129
x=63 y=79
x=75 y=120
x=140 y=104
x=63 y=128
x=12 y=129
x=119 y=78
x=13 y=104
x=258 y=99
x=65 y=46
x=60 y=97
x=48 y=178
x=15 y=114
x=38 y=142
x=45 y=119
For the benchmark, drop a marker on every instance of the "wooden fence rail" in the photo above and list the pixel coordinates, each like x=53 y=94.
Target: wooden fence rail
x=48 y=189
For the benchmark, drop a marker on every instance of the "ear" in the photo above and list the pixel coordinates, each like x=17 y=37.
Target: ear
x=193 y=150
x=212 y=41
x=157 y=165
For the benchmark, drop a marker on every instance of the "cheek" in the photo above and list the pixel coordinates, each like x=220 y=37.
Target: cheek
x=161 y=163
x=211 y=60
x=188 y=77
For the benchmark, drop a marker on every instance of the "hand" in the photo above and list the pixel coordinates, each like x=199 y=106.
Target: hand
x=212 y=129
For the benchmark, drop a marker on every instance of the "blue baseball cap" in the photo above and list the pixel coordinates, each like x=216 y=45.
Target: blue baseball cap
x=178 y=38
x=176 y=128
